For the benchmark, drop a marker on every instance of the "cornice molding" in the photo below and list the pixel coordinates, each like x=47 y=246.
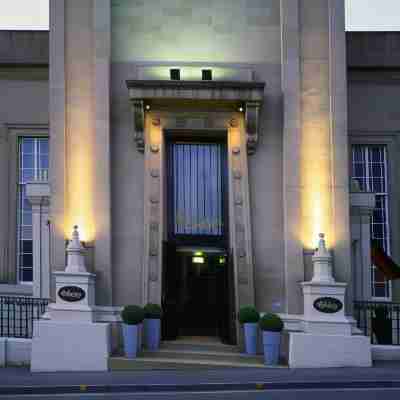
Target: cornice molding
x=220 y=94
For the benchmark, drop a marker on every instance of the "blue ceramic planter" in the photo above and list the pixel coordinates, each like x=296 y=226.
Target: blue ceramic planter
x=152 y=331
x=250 y=337
x=272 y=344
x=140 y=337
x=130 y=335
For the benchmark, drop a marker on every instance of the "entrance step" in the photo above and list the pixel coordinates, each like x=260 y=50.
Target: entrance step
x=182 y=355
x=144 y=363
x=198 y=345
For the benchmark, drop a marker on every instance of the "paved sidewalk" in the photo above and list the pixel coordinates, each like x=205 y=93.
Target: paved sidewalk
x=382 y=374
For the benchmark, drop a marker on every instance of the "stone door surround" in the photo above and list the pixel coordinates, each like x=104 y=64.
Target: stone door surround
x=196 y=107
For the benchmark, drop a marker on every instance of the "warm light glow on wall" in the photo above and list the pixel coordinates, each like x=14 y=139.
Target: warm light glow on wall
x=316 y=203
x=80 y=193
x=80 y=178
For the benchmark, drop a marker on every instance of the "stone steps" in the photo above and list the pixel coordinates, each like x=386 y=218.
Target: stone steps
x=183 y=345
x=182 y=355
x=220 y=356
x=144 y=363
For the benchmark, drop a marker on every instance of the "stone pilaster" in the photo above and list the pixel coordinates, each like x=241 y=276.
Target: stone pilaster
x=79 y=115
x=323 y=146
x=362 y=207
x=291 y=79
x=38 y=193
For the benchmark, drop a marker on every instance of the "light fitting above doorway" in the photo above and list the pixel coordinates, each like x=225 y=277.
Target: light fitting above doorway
x=219 y=95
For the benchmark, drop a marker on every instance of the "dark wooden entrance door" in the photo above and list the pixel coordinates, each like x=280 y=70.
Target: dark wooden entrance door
x=197 y=299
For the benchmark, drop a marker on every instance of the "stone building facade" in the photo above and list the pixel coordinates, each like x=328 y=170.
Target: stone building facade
x=264 y=80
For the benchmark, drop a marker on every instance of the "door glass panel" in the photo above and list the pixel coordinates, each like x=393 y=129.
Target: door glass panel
x=197 y=188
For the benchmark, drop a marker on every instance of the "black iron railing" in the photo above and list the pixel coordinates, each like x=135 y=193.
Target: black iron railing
x=18 y=313
x=379 y=320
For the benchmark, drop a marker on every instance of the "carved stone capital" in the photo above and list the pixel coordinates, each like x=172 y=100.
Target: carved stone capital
x=138 y=119
x=252 y=125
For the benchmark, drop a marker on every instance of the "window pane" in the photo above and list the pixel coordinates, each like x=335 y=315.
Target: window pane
x=44 y=146
x=27 y=161
x=26 y=218
x=26 y=246
x=197 y=188
x=27 y=145
x=27 y=275
x=44 y=162
x=27 y=175
x=26 y=260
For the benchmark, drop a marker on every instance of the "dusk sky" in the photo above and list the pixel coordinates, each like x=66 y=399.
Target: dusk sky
x=362 y=15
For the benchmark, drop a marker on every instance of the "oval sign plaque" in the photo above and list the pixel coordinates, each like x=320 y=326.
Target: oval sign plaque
x=328 y=305
x=71 y=293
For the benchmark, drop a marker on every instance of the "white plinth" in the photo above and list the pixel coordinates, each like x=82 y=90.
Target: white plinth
x=70 y=346
x=317 y=322
x=322 y=351
x=79 y=311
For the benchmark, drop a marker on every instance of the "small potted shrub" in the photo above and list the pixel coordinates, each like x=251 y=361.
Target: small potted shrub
x=132 y=316
x=152 y=326
x=249 y=317
x=271 y=326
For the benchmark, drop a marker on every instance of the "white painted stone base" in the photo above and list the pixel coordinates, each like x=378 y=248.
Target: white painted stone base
x=18 y=351
x=323 y=351
x=15 y=352
x=385 y=353
x=65 y=346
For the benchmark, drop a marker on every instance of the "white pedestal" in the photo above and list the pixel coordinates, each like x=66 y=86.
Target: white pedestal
x=322 y=351
x=79 y=311
x=69 y=340
x=315 y=321
x=70 y=346
x=327 y=339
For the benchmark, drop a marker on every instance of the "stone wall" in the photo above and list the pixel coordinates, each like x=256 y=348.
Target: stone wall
x=196 y=31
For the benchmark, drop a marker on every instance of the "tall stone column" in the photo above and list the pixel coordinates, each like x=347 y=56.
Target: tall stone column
x=315 y=166
x=79 y=115
x=323 y=146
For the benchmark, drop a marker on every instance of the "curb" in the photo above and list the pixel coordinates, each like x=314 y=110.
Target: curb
x=206 y=387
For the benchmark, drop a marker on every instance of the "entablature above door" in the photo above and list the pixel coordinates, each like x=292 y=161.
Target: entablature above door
x=220 y=95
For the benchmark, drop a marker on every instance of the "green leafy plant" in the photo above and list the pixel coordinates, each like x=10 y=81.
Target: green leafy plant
x=132 y=315
x=271 y=322
x=152 y=311
x=248 y=314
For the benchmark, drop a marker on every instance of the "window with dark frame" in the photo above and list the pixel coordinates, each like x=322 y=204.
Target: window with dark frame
x=369 y=168
x=33 y=163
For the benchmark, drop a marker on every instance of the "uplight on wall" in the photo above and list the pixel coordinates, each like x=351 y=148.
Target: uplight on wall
x=175 y=74
x=198 y=260
x=206 y=74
